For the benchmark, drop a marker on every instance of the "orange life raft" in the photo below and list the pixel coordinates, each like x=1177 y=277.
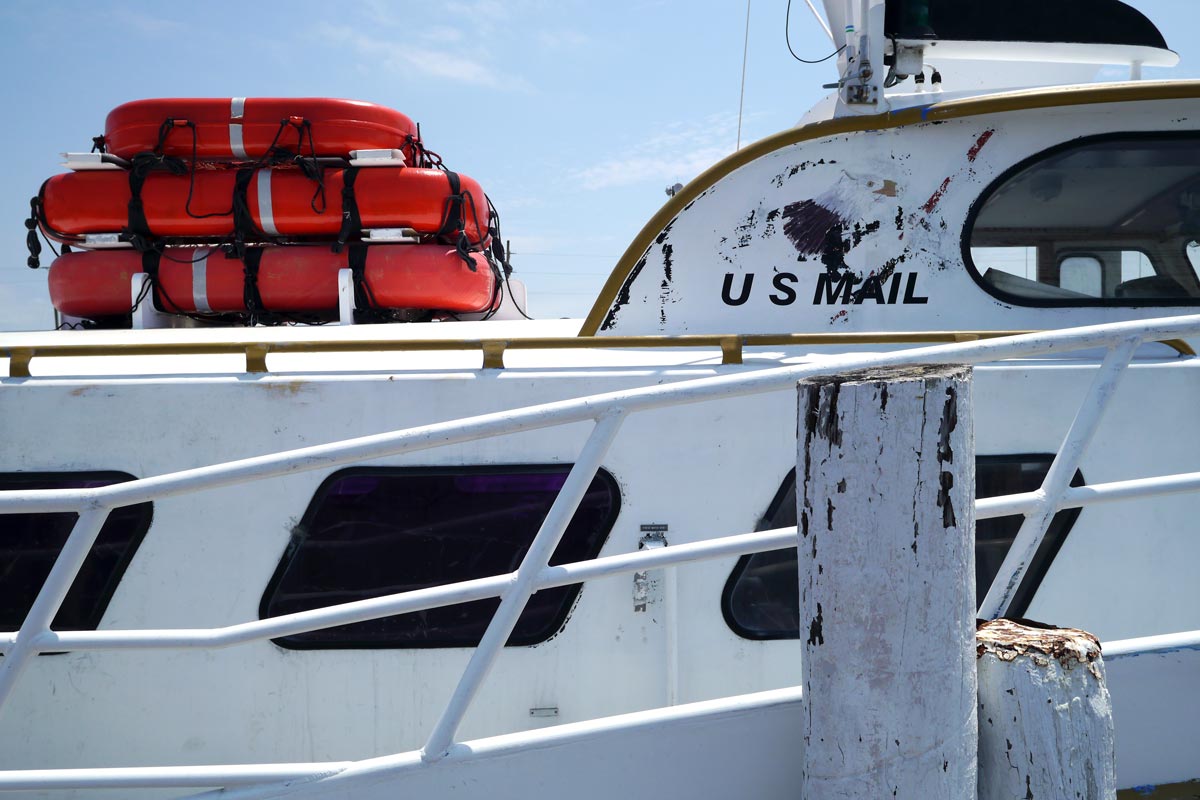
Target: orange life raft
x=280 y=201
x=244 y=128
x=301 y=279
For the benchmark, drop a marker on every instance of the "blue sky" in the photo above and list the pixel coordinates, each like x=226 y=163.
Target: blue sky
x=573 y=115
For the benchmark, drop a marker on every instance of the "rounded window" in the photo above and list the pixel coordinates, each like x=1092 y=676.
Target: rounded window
x=1104 y=221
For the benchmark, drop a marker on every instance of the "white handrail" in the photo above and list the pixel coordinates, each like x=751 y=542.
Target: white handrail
x=1090 y=495
x=582 y=409
x=606 y=410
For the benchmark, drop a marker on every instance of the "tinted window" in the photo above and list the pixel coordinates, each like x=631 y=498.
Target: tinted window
x=30 y=543
x=761 y=598
x=373 y=532
x=1105 y=222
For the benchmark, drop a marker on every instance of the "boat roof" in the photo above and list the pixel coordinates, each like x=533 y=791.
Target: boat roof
x=933 y=112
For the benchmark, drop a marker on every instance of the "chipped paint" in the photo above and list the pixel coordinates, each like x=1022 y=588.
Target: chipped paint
x=816 y=633
x=1008 y=639
x=664 y=296
x=795 y=169
x=973 y=153
x=623 y=296
x=936 y=197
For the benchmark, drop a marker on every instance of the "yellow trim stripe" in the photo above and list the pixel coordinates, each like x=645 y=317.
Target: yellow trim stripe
x=947 y=110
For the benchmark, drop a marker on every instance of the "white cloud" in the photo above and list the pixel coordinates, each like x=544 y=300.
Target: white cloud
x=144 y=23
x=427 y=58
x=679 y=153
x=489 y=10
x=561 y=39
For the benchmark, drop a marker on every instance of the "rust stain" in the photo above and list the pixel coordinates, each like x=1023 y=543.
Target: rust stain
x=973 y=153
x=285 y=388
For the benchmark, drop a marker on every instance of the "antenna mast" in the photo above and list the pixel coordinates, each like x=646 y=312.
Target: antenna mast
x=742 y=96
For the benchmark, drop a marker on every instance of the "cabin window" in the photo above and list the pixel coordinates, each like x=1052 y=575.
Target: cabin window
x=30 y=543
x=1112 y=220
x=370 y=532
x=761 y=598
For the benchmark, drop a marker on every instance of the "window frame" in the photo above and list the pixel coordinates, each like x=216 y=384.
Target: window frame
x=559 y=620
x=1043 y=155
x=1046 y=553
x=142 y=526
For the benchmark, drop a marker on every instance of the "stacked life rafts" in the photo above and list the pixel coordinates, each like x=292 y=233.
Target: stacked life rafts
x=245 y=209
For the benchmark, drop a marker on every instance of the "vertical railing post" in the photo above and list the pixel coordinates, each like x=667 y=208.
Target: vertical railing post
x=1058 y=480
x=524 y=584
x=50 y=597
x=885 y=481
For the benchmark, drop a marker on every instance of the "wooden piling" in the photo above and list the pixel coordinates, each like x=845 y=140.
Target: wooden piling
x=885 y=491
x=1045 y=718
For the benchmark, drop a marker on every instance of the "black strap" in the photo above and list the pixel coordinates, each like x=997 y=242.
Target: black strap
x=351 y=222
x=31 y=238
x=150 y=261
x=137 y=230
x=169 y=124
x=250 y=294
x=244 y=226
x=99 y=144
x=356 y=260
x=454 y=221
x=315 y=172
x=452 y=218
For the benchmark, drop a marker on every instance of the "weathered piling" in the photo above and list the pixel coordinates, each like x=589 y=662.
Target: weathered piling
x=885 y=491
x=1045 y=719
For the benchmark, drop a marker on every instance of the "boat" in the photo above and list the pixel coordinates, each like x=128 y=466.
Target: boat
x=397 y=475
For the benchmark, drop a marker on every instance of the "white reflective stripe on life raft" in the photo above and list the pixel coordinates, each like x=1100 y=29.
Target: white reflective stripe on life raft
x=266 y=217
x=237 y=109
x=200 y=282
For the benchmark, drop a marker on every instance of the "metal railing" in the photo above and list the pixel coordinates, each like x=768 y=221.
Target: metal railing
x=607 y=411
x=254 y=350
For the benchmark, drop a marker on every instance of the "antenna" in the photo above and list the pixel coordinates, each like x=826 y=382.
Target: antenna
x=742 y=96
x=820 y=20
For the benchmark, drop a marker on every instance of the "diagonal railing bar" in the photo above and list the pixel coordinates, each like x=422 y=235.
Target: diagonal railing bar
x=50 y=597
x=1058 y=479
x=524 y=584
